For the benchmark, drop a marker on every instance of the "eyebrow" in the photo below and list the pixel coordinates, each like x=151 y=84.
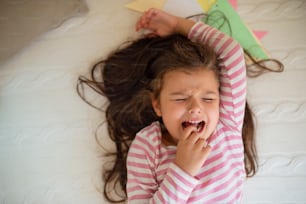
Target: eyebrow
x=177 y=93
x=183 y=93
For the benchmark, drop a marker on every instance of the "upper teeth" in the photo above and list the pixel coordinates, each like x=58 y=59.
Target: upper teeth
x=193 y=122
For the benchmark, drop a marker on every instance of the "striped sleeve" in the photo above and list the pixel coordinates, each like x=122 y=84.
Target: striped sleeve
x=142 y=184
x=232 y=75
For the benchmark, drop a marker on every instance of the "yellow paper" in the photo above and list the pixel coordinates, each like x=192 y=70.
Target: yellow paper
x=144 y=5
x=206 y=4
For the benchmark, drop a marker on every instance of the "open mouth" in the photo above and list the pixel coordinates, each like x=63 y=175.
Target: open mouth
x=198 y=124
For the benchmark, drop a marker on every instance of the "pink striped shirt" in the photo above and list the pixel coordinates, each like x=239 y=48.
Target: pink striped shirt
x=153 y=176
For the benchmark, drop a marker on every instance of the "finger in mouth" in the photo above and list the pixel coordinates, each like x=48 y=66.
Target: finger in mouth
x=198 y=124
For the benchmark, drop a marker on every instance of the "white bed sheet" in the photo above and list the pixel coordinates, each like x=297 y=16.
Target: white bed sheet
x=48 y=153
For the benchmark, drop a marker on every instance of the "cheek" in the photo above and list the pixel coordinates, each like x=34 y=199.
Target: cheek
x=173 y=111
x=214 y=114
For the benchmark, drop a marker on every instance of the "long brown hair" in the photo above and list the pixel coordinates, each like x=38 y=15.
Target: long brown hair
x=125 y=78
x=255 y=68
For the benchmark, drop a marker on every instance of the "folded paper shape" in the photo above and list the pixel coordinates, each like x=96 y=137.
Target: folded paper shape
x=144 y=5
x=222 y=15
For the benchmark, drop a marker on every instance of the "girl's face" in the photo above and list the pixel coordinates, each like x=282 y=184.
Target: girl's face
x=189 y=99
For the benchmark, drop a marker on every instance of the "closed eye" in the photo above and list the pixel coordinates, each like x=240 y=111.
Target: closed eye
x=180 y=99
x=208 y=100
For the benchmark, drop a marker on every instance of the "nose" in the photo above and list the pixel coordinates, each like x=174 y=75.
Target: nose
x=195 y=107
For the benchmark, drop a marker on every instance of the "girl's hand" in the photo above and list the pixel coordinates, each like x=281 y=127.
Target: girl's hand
x=158 y=22
x=192 y=151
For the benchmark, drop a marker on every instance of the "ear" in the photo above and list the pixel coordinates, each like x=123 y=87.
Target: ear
x=156 y=106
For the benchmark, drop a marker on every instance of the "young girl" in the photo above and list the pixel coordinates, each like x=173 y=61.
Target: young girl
x=177 y=114
x=197 y=157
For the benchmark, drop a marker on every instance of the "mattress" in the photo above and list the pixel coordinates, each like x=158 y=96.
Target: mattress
x=48 y=151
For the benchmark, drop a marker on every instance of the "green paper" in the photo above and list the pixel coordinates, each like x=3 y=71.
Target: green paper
x=223 y=17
